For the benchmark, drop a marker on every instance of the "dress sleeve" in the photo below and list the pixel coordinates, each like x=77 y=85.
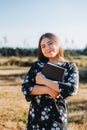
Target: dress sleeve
x=70 y=86
x=29 y=82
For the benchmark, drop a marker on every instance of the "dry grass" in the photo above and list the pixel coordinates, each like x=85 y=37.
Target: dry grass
x=78 y=109
x=14 y=108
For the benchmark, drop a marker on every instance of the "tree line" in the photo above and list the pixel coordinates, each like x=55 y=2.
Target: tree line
x=6 y=51
x=17 y=52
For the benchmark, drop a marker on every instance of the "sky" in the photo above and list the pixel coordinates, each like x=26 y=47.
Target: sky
x=22 y=22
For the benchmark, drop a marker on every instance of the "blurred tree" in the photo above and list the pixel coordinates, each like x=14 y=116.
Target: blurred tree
x=5 y=40
x=85 y=50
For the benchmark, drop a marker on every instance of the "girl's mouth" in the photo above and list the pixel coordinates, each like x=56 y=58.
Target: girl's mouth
x=51 y=51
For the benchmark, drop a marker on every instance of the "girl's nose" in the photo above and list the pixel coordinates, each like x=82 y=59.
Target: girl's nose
x=48 y=47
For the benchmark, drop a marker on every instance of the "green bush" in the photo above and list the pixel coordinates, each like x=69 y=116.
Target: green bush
x=83 y=74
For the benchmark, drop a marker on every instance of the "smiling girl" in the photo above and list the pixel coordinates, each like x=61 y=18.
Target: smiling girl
x=48 y=109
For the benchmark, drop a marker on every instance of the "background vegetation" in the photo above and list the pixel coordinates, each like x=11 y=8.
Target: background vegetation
x=25 y=57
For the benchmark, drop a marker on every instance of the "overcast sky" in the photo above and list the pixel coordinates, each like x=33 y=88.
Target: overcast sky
x=22 y=22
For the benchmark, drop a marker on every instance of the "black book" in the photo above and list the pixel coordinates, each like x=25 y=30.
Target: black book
x=53 y=72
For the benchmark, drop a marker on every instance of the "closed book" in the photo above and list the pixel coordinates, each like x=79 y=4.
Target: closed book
x=53 y=72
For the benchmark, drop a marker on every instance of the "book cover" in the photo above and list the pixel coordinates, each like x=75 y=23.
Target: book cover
x=53 y=72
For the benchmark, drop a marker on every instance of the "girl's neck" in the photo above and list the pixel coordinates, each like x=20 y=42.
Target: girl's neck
x=57 y=60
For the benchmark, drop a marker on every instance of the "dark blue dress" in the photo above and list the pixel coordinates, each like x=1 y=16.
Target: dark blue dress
x=46 y=113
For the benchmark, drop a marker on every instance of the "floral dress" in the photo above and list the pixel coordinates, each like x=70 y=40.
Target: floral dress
x=46 y=113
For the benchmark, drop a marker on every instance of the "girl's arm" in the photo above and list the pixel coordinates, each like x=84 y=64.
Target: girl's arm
x=40 y=90
x=70 y=86
x=29 y=87
x=41 y=79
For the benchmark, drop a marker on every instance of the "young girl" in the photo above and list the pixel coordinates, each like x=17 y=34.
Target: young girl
x=48 y=109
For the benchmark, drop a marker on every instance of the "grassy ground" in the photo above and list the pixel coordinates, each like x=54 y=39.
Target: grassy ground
x=14 y=108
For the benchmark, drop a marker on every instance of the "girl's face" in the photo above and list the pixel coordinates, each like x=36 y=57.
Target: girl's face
x=49 y=48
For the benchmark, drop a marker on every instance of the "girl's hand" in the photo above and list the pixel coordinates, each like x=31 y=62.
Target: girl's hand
x=40 y=78
x=53 y=93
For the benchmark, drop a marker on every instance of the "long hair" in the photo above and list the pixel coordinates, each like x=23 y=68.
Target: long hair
x=51 y=36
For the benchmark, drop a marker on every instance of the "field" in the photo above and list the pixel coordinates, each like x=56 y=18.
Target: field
x=14 y=108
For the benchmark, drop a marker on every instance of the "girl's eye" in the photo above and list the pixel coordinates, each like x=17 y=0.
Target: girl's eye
x=42 y=47
x=50 y=43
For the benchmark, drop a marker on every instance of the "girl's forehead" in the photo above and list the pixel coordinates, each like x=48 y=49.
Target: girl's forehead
x=46 y=40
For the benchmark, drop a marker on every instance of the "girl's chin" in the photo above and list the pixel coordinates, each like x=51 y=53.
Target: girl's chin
x=51 y=56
